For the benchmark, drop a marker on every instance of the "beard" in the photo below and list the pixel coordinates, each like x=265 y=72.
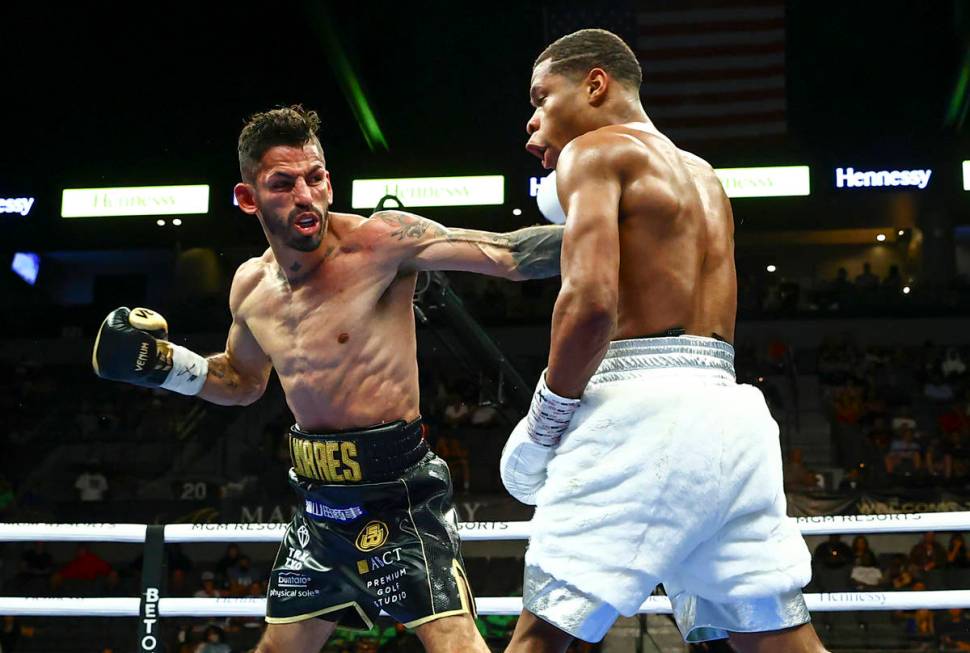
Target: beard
x=284 y=228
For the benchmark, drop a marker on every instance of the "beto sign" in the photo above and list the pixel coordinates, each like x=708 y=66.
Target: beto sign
x=852 y=178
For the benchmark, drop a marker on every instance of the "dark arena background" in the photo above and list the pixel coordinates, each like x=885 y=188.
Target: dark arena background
x=141 y=520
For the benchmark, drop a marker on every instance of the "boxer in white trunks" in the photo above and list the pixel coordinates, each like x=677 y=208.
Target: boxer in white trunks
x=646 y=461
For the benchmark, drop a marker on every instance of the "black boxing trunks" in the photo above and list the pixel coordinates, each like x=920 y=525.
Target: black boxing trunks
x=377 y=531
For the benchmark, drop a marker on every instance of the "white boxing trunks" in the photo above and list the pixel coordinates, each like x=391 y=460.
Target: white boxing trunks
x=670 y=472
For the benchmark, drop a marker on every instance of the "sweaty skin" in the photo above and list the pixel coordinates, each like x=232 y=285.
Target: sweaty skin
x=331 y=310
x=649 y=246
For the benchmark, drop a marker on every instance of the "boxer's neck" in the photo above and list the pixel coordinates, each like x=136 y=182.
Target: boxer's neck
x=295 y=266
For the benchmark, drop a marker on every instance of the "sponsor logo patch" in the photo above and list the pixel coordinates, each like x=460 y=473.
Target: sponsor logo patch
x=317 y=509
x=292 y=579
x=372 y=536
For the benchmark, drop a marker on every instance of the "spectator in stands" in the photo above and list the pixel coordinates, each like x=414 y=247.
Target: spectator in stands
x=955 y=420
x=954 y=631
x=904 y=457
x=928 y=554
x=208 y=589
x=179 y=567
x=939 y=461
x=865 y=570
x=797 y=477
x=833 y=553
x=229 y=559
x=892 y=285
x=36 y=562
x=920 y=622
x=86 y=566
x=953 y=365
x=867 y=281
x=214 y=641
x=956 y=552
x=901 y=572
x=91 y=484
x=862 y=555
x=937 y=389
x=241 y=576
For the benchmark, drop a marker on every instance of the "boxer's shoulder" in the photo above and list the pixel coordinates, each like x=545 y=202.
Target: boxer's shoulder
x=608 y=148
x=247 y=277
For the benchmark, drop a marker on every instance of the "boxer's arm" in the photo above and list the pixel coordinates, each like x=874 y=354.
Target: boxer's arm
x=584 y=316
x=423 y=244
x=238 y=376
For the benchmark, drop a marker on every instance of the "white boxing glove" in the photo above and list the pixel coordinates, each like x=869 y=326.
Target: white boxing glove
x=533 y=441
x=548 y=200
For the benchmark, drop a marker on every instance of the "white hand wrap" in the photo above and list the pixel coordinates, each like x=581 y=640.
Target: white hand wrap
x=532 y=443
x=188 y=372
x=549 y=415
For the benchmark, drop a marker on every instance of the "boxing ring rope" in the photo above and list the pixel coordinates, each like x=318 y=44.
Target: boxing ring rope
x=469 y=531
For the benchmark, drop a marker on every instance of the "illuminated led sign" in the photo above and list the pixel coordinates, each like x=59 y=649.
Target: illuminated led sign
x=966 y=175
x=770 y=181
x=142 y=200
x=431 y=191
x=852 y=178
x=21 y=205
x=767 y=181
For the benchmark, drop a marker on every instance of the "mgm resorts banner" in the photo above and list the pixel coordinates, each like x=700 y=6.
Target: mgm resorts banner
x=877 y=503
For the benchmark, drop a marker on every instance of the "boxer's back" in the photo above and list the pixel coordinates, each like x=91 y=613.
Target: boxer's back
x=676 y=243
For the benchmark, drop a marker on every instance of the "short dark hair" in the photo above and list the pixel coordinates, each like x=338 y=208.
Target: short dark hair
x=576 y=54
x=292 y=125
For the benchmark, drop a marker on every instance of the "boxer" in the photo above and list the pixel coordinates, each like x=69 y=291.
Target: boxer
x=646 y=461
x=328 y=306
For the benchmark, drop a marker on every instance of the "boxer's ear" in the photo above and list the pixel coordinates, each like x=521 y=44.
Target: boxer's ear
x=245 y=197
x=597 y=83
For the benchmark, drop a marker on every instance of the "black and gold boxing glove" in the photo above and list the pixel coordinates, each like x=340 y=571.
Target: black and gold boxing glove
x=131 y=346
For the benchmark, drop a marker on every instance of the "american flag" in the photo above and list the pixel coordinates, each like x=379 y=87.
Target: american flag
x=712 y=69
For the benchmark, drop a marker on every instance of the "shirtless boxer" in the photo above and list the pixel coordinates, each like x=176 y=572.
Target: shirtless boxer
x=667 y=469
x=328 y=306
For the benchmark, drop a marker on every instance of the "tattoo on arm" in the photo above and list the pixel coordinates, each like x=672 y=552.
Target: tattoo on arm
x=409 y=226
x=220 y=369
x=536 y=251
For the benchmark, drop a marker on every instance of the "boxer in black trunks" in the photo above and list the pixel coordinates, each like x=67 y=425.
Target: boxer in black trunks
x=328 y=306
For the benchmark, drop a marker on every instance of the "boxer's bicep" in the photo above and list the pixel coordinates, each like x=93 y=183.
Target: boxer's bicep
x=591 y=191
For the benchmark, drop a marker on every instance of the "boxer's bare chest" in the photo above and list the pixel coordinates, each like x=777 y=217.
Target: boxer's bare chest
x=340 y=308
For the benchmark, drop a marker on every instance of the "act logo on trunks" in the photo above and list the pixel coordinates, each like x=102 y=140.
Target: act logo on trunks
x=372 y=536
x=333 y=462
x=377 y=562
x=317 y=509
x=303 y=534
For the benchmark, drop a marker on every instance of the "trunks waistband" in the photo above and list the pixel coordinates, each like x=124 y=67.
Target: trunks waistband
x=369 y=455
x=698 y=355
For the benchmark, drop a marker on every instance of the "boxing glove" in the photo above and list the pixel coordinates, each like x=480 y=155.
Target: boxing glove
x=132 y=346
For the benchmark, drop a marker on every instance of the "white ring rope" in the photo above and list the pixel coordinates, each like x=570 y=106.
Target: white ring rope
x=469 y=531
x=253 y=607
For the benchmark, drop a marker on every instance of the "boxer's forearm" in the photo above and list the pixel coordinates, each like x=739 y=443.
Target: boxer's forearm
x=225 y=386
x=582 y=325
x=536 y=251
